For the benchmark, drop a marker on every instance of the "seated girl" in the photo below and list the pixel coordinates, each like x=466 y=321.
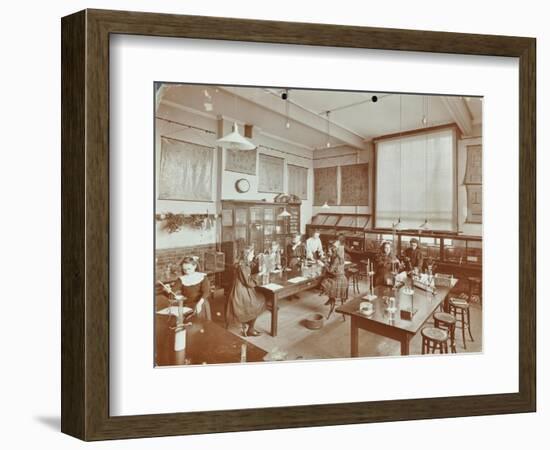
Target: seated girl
x=195 y=287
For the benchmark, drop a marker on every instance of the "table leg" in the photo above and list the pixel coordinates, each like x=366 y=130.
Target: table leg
x=405 y=340
x=274 y=315
x=354 y=337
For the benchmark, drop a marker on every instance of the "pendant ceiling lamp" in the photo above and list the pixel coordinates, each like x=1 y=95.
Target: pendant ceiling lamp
x=287 y=109
x=397 y=224
x=328 y=129
x=325 y=205
x=284 y=213
x=426 y=225
x=235 y=140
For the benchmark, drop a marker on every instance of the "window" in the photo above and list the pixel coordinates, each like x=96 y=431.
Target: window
x=415 y=181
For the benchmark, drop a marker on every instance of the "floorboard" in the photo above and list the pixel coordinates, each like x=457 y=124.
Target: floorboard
x=295 y=341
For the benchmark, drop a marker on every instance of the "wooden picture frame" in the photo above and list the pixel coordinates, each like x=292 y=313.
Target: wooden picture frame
x=85 y=224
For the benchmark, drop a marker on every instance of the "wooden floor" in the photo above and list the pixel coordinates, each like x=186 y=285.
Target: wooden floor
x=333 y=340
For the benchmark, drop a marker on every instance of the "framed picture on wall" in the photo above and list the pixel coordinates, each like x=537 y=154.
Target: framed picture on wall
x=270 y=174
x=112 y=145
x=185 y=171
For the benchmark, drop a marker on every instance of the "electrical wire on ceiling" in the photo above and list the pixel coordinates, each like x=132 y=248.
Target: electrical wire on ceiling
x=372 y=99
x=197 y=132
x=210 y=144
x=295 y=105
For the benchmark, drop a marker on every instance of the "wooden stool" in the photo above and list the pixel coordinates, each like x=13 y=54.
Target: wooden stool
x=447 y=322
x=354 y=276
x=474 y=285
x=434 y=339
x=460 y=309
x=332 y=307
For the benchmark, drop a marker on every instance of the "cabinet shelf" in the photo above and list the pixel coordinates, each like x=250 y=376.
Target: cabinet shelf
x=449 y=250
x=258 y=223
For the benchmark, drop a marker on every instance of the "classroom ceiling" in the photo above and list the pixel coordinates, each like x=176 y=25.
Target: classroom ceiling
x=354 y=118
x=389 y=114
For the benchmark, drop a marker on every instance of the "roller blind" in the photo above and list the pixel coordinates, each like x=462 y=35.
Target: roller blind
x=415 y=181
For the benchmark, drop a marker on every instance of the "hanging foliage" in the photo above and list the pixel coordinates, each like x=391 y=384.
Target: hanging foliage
x=175 y=222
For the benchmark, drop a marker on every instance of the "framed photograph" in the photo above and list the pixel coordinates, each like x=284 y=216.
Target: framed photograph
x=383 y=263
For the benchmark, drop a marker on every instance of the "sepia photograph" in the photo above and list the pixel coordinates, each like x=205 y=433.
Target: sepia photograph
x=298 y=224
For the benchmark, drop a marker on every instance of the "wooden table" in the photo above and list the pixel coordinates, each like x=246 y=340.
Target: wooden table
x=391 y=325
x=207 y=343
x=313 y=279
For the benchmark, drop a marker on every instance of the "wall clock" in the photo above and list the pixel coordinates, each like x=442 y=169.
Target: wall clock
x=242 y=185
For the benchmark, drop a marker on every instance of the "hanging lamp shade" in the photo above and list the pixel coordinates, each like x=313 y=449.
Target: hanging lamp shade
x=235 y=140
x=325 y=206
x=284 y=213
x=425 y=225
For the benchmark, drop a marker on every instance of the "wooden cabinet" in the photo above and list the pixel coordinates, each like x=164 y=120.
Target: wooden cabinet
x=449 y=250
x=258 y=223
x=331 y=225
x=452 y=252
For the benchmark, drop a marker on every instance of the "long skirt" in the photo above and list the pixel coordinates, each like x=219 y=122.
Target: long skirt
x=335 y=287
x=243 y=304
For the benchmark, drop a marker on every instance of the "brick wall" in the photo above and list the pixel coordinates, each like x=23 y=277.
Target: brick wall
x=173 y=257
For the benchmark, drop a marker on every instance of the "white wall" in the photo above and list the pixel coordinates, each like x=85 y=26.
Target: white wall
x=272 y=147
x=187 y=236
x=267 y=145
x=328 y=157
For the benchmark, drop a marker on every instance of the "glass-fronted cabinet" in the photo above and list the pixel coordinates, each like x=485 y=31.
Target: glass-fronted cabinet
x=463 y=251
x=255 y=222
x=373 y=241
x=258 y=223
x=449 y=251
x=351 y=226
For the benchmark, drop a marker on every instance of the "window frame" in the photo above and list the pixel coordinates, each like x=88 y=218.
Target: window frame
x=456 y=135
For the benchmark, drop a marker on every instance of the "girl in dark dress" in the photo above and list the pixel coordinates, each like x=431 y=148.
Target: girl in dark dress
x=243 y=305
x=195 y=287
x=412 y=257
x=386 y=266
x=296 y=251
x=335 y=284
